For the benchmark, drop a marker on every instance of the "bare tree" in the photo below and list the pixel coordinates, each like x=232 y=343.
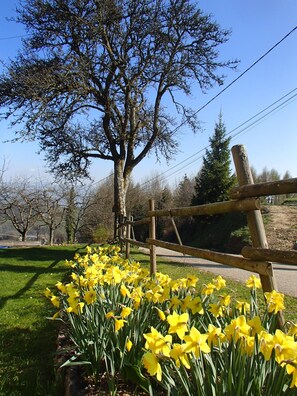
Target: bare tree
x=79 y=201
x=93 y=75
x=50 y=209
x=19 y=206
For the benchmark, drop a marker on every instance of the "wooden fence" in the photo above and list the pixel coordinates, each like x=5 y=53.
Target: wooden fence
x=244 y=198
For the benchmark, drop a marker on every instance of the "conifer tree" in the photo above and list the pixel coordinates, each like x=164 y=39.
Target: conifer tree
x=215 y=178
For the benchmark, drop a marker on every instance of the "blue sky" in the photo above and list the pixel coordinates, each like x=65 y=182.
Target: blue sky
x=272 y=142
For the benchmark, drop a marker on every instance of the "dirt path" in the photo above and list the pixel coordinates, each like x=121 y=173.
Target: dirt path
x=281 y=229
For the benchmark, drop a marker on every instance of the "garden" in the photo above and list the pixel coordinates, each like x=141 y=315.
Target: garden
x=172 y=336
x=129 y=333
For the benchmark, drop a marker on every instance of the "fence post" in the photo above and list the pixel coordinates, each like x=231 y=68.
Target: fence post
x=152 y=235
x=254 y=217
x=128 y=235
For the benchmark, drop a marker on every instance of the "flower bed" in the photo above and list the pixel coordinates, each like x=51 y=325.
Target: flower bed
x=174 y=337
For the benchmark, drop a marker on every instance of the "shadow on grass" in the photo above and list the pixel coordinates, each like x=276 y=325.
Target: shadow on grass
x=27 y=360
x=36 y=255
x=27 y=347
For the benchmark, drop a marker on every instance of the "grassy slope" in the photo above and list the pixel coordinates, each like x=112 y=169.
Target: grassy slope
x=27 y=339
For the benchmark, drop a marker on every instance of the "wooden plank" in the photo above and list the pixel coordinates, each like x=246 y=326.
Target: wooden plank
x=259 y=267
x=263 y=189
x=275 y=255
x=135 y=242
x=243 y=205
x=145 y=220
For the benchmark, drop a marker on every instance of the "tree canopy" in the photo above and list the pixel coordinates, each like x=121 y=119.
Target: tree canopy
x=93 y=75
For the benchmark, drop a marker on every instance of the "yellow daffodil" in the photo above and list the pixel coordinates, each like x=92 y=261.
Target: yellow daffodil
x=196 y=342
x=186 y=302
x=179 y=355
x=118 y=324
x=60 y=286
x=247 y=345
x=266 y=344
x=292 y=329
x=152 y=365
x=216 y=310
x=208 y=289
x=90 y=296
x=129 y=345
x=175 y=302
x=256 y=325
x=285 y=347
x=237 y=328
x=291 y=369
x=225 y=300
x=253 y=282
x=158 y=343
x=178 y=324
x=215 y=335
x=275 y=301
x=126 y=311
x=219 y=282
x=195 y=305
x=55 y=301
x=109 y=315
x=48 y=293
x=125 y=291
x=243 y=306
x=161 y=314
x=192 y=281
x=76 y=308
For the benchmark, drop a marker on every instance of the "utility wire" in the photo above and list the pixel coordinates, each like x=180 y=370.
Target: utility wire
x=249 y=126
x=237 y=78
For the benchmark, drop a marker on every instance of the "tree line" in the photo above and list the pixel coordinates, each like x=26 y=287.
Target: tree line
x=58 y=213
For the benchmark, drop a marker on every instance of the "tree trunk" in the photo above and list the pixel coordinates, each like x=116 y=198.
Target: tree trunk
x=121 y=184
x=51 y=236
x=23 y=236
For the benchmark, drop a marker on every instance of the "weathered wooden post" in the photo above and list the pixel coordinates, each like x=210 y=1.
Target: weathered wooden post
x=128 y=235
x=254 y=217
x=152 y=235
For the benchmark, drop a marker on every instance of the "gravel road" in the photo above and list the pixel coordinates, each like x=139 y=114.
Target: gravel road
x=285 y=275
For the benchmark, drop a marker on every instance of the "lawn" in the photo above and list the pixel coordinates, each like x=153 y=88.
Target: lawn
x=28 y=339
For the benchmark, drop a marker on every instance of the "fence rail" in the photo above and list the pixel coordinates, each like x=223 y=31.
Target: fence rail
x=244 y=198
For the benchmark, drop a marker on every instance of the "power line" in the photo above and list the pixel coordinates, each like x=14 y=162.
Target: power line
x=249 y=126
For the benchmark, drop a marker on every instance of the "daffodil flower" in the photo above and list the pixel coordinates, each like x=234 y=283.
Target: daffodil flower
x=152 y=365
x=178 y=324
x=253 y=282
x=196 y=342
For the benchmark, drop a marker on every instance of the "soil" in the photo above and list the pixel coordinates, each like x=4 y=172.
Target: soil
x=281 y=227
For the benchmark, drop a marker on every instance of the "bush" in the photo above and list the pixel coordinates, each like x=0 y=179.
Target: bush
x=101 y=235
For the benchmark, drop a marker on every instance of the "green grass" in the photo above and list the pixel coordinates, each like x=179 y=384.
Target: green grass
x=27 y=338
x=237 y=290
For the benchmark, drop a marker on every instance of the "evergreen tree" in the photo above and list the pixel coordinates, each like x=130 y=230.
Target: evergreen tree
x=215 y=179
